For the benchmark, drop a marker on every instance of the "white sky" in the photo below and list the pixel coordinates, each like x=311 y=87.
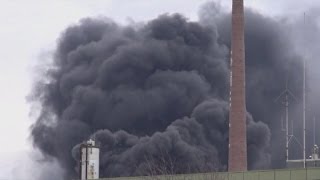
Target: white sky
x=30 y=28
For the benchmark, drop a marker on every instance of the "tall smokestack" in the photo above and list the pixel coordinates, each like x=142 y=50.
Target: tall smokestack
x=237 y=116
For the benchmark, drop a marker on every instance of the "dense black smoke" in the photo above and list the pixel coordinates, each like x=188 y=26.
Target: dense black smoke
x=159 y=92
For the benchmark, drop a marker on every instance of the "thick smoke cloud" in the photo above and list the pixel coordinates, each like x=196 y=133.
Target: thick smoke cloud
x=196 y=144
x=159 y=92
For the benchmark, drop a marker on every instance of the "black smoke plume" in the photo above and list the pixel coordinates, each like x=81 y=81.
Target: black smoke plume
x=159 y=92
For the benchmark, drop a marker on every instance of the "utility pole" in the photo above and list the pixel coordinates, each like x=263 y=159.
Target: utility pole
x=314 y=130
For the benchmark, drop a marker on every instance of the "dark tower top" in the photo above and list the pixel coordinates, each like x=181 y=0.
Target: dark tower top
x=237 y=116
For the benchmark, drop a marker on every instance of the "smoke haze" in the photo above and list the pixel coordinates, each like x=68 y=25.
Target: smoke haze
x=159 y=91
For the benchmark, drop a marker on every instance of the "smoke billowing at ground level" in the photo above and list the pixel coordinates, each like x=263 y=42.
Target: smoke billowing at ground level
x=159 y=91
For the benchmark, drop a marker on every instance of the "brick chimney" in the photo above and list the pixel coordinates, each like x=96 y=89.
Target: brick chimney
x=237 y=116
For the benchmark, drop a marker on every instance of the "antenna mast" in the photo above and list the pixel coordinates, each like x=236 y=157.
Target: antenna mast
x=287 y=93
x=304 y=106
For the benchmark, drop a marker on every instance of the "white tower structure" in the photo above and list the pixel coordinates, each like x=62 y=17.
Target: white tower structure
x=315 y=152
x=89 y=160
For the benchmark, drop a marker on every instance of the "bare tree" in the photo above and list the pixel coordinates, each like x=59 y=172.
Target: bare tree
x=164 y=167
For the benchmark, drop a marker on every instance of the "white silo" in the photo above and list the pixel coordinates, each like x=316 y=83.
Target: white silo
x=89 y=160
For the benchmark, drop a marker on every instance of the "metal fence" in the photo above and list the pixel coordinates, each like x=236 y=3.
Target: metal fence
x=285 y=174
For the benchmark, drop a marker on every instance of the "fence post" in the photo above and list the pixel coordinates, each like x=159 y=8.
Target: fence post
x=306 y=173
x=290 y=174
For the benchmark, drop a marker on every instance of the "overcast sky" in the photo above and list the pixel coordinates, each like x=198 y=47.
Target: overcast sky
x=29 y=30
